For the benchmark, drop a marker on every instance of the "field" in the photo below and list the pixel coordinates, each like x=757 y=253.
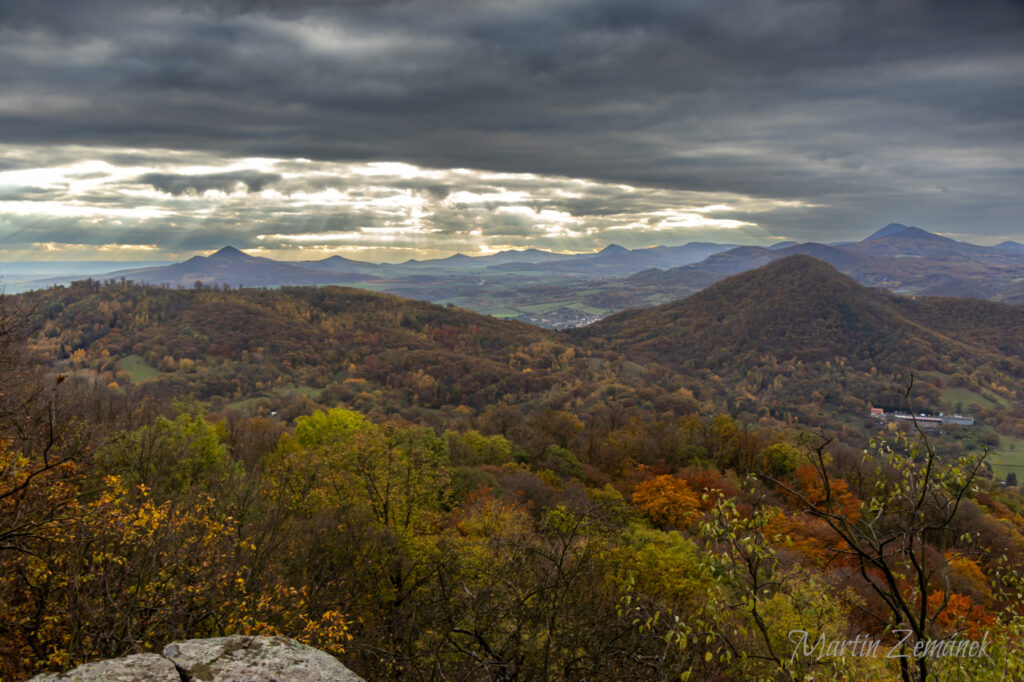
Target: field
x=139 y=370
x=1008 y=456
x=247 y=404
x=967 y=397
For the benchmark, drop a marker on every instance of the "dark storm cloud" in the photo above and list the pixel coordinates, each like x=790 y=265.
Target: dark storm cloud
x=872 y=111
x=177 y=184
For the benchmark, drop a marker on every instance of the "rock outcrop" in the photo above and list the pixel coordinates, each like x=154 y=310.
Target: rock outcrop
x=222 y=659
x=135 y=668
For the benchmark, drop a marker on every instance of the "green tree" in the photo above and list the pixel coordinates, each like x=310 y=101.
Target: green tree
x=173 y=456
x=473 y=448
x=322 y=429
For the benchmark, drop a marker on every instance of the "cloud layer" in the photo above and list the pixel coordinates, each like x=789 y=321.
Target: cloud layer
x=809 y=119
x=375 y=210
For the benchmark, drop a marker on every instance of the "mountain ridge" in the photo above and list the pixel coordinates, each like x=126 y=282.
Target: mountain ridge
x=796 y=307
x=561 y=290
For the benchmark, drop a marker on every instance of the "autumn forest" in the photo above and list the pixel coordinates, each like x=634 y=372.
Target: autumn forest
x=429 y=493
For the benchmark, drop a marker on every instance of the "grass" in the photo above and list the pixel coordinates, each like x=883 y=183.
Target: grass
x=138 y=368
x=372 y=286
x=634 y=369
x=592 y=310
x=542 y=307
x=247 y=404
x=573 y=304
x=966 y=396
x=1004 y=459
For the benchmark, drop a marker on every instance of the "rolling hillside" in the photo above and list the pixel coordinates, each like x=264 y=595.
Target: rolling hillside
x=771 y=337
x=292 y=350
x=794 y=339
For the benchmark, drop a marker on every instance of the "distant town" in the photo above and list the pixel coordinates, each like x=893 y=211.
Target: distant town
x=560 y=318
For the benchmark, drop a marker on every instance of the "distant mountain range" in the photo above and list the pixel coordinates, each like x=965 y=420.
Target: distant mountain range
x=236 y=268
x=907 y=260
x=561 y=290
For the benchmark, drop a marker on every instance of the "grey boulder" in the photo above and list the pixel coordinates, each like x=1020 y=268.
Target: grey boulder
x=128 y=669
x=255 y=659
x=221 y=659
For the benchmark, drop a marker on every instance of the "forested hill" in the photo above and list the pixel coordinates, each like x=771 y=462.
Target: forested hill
x=794 y=339
x=246 y=342
x=803 y=308
x=296 y=349
x=797 y=325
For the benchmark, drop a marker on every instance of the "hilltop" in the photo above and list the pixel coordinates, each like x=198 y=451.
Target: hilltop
x=772 y=336
x=797 y=306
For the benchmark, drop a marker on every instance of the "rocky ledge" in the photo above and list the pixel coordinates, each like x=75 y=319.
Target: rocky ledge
x=223 y=659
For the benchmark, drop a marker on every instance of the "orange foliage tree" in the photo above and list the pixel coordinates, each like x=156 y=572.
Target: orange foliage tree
x=813 y=489
x=667 y=501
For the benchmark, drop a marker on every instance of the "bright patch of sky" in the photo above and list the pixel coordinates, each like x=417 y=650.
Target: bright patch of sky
x=170 y=205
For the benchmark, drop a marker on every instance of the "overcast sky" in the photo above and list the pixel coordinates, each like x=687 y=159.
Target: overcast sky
x=416 y=128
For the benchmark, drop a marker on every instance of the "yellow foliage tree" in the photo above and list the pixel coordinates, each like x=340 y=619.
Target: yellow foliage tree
x=121 y=571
